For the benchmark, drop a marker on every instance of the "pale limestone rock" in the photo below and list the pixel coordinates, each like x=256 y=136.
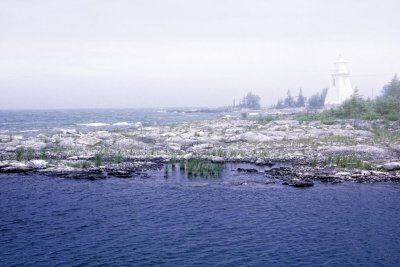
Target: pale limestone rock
x=67 y=142
x=391 y=166
x=124 y=143
x=33 y=144
x=88 y=141
x=102 y=134
x=174 y=146
x=359 y=150
x=254 y=137
x=202 y=146
x=169 y=134
x=10 y=149
x=5 y=138
x=38 y=164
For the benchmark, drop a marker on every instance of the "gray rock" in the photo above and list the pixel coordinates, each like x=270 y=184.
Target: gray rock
x=88 y=140
x=38 y=164
x=216 y=159
x=391 y=166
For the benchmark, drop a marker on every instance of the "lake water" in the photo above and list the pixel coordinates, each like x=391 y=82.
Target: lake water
x=232 y=220
x=153 y=221
x=33 y=122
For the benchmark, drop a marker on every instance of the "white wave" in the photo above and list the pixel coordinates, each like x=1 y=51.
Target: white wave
x=138 y=124
x=66 y=130
x=95 y=124
x=122 y=123
x=29 y=131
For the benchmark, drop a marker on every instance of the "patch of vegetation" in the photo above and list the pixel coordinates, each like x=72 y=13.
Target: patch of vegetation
x=84 y=164
x=182 y=164
x=98 y=159
x=166 y=170
x=80 y=164
x=19 y=154
x=314 y=162
x=173 y=162
x=202 y=168
x=387 y=135
x=43 y=155
x=349 y=162
x=266 y=118
x=29 y=154
x=117 y=158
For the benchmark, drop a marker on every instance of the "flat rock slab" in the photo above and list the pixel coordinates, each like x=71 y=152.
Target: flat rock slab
x=391 y=166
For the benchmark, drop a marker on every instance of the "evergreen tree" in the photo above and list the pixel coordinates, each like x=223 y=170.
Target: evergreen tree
x=280 y=104
x=289 y=101
x=250 y=101
x=392 y=89
x=301 y=100
x=318 y=100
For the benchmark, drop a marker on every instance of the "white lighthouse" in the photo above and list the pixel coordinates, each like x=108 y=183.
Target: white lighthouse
x=340 y=88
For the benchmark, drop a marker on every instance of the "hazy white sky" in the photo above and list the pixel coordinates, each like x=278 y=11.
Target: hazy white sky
x=154 y=53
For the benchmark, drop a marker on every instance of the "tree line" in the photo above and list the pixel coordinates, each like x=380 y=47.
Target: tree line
x=316 y=100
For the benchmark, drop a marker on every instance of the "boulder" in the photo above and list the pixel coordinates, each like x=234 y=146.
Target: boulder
x=391 y=166
x=16 y=167
x=102 y=134
x=251 y=170
x=88 y=140
x=37 y=164
x=253 y=137
x=298 y=183
x=216 y=159
x=202 y=146
x=264 y=162
x=174 y=146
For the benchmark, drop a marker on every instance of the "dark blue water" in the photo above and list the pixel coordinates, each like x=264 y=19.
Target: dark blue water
x=43 y=121
x=46 y=221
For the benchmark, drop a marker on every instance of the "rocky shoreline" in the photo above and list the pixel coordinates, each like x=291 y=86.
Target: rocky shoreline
x=296 y=152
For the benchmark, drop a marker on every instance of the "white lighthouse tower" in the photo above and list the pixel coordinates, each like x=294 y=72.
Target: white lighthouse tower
x=340 y=88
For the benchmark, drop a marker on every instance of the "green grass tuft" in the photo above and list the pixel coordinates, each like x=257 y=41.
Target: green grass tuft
x=98 y=160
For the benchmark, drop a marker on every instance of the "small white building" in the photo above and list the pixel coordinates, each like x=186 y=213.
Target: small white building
x=340 y=88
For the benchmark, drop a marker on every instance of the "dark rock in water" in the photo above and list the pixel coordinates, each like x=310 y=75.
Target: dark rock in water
x=90 y=174
x=262 y=162
x=298 y=183
x=247 y=170
x=119 y=173
x=16 y=169
x=326 y=178
x=303 y=184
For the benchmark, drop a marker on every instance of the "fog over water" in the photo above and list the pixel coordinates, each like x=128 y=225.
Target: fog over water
x=99 y=54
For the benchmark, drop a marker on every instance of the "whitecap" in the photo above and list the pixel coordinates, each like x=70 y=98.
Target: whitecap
x=123 y=123
x=95 y=124
x=29 y=131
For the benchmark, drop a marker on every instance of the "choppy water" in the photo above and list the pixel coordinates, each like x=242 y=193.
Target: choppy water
x=32 y=122
x=47 y=221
